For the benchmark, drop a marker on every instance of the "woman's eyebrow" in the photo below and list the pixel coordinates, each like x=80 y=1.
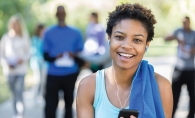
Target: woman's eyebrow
x=138 y=35
x=119 y=32
x=124 y=33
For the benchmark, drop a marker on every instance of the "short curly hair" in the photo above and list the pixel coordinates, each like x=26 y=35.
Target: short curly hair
x=132 y=11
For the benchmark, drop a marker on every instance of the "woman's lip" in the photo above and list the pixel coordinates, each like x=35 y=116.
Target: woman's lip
x=126 y=55
x=123 y=58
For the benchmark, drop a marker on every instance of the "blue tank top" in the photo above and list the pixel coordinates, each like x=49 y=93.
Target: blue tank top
x=102 y=106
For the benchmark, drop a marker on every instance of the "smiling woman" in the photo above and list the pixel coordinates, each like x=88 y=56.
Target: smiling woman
x=130 y=83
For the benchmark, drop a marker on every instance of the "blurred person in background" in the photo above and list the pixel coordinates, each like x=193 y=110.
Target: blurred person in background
x=15 y=52
x=95 y=42
x=184 y=72
x=37 y=62
x=61 y=44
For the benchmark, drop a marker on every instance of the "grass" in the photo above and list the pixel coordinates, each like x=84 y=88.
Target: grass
x=4 y=89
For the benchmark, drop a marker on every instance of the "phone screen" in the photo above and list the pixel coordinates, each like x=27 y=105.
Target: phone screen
x=126 y=113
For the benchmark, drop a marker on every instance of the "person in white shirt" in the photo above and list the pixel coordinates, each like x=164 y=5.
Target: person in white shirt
x=15 y=53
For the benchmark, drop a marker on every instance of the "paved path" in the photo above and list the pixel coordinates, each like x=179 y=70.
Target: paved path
x=34 y=109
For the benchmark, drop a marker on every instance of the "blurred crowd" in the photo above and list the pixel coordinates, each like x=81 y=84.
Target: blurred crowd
x=55 y=55
x=58 y=53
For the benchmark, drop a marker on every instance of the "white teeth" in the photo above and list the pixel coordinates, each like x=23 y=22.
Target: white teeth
x=126 y=55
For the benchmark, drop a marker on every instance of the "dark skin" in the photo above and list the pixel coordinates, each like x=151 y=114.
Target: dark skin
x=93 y=19
x=61 y=15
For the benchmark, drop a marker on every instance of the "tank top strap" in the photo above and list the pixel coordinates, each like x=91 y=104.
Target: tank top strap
x=100 y=86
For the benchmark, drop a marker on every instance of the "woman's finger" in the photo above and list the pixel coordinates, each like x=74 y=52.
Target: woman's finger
x=132 y=116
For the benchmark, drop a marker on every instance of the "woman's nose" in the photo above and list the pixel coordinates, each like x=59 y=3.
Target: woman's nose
x=127 y=44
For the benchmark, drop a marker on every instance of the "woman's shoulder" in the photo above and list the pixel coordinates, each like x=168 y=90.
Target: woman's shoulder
x=165 y=93
x=88 y=83
x=88 y=80
x=162 y=81
x=86 y=89
x=165 y=88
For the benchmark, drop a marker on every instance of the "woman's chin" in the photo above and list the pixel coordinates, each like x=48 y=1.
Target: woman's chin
x=125 y=66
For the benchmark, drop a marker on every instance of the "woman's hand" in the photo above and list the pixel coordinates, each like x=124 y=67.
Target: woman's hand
x=59 y=56
x=132 y=116
x=11 y=66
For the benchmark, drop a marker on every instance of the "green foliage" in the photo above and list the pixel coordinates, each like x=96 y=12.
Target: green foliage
x=4 y=89
x=159 y=47
x=168 y=13
x=79 y=20
x=43 y=11
x=10 y=7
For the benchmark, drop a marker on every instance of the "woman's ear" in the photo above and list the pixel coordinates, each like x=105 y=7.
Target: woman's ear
x=109 y=42
x=147 y=45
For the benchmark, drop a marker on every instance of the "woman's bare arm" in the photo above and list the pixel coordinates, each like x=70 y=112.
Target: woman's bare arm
x=166 y=94
x=85 y=97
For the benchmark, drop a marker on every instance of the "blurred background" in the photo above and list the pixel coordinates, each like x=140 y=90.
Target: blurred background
x=168 y=13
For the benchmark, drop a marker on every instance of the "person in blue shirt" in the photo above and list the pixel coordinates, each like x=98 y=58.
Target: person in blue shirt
x=61 y=44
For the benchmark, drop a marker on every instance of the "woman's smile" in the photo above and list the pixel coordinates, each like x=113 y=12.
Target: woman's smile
x=125 y=56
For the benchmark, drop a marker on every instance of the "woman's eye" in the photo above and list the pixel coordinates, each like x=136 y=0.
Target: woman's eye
x=119 y=37
x=137 y=40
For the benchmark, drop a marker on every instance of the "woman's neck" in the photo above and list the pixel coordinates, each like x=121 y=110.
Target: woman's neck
x=123 y=76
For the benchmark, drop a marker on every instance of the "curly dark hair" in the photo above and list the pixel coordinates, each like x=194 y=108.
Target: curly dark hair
x=132 y=11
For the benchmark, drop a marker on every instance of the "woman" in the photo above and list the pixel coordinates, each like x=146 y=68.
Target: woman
x=37 y=63
x=15 y=54
x=130 y=83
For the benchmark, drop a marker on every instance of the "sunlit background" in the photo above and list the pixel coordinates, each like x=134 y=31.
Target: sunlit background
x=168 y=13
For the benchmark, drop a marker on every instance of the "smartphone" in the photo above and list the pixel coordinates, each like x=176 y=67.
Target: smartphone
x=126 y=113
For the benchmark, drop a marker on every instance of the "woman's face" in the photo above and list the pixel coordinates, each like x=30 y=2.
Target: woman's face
x=16 y=26
x=128 y=43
